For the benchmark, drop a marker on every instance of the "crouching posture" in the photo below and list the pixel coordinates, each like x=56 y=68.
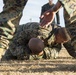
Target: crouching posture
x=31 y=41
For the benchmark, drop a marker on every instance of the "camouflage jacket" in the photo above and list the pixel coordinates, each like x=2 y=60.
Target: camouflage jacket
x=18 y=46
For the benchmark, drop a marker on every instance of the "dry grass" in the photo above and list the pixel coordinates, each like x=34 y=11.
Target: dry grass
x=64 y=65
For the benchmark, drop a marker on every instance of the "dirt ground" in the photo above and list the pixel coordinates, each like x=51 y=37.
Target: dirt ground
x=64 y=65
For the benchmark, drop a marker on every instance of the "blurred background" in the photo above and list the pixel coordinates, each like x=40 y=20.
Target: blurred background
x=32 y=11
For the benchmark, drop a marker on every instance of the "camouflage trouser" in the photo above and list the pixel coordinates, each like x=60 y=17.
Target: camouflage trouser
x=72 y=31
x=70 y=18
x=9 y=19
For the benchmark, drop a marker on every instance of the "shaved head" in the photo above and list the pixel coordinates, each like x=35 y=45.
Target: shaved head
x=36 y=45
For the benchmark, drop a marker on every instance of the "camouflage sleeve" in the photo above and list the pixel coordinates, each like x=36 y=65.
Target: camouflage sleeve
x=69 y=5
x=52 y=52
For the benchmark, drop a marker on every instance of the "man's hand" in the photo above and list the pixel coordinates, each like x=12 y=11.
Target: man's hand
x=47 y=18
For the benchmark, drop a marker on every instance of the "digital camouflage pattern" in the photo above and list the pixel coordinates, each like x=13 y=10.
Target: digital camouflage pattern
x=70 y=6
x=19 y=44
x=9 y=20
x=70 y=49
x=70 y=18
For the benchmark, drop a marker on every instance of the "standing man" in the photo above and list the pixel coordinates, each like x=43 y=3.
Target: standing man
x=46 y=7
x=9 y=20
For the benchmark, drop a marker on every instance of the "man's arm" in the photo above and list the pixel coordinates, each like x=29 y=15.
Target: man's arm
x=56 y=7
x=48 y=16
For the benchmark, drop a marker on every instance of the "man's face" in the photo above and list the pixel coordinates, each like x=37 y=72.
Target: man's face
x=50 y=1
x=62 y=36
x=60 y=39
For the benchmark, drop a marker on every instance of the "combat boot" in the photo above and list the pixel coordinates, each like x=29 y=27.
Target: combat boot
x=2 y=51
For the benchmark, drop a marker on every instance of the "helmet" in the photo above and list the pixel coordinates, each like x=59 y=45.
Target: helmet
x=36 y=45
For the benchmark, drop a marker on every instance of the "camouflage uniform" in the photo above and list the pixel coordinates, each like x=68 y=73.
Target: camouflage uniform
x=19 y=45
x=70 y=24
x=9 y=20
x=70 y=17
